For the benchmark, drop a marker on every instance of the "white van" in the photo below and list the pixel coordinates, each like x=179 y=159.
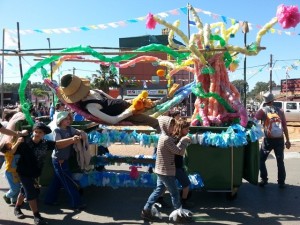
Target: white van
x=291 y=109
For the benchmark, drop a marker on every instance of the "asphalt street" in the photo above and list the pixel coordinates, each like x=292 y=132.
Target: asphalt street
x=253 y=205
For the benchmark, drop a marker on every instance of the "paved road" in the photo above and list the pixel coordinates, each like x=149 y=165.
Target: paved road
x=253 y=205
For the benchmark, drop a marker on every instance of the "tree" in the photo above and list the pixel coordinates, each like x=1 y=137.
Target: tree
x=259 y=88
x=107 y=77
x=239 y=84
x=37 y=92
x=126 y=82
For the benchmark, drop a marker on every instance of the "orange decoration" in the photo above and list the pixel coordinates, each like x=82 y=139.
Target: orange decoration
x=233 y=66
x=160 y=73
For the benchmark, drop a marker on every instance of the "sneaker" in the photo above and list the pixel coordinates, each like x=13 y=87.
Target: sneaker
x=18 y=213
x=6 y=199
x=187 y=204
x=39 y=220
x=281 y=185
x=262 y=183
x=147 y=215
x=163 y=203
x=184 y=219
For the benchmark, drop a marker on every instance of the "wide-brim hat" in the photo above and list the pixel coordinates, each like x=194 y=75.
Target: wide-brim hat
x=72 y=88
x=42 y=127
x=61 y=116
x=268 y=97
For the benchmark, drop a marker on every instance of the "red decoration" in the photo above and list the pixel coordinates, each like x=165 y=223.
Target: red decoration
x=151 y=23
x=288 y=16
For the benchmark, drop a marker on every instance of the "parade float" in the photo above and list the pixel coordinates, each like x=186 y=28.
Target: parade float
x=225 y=144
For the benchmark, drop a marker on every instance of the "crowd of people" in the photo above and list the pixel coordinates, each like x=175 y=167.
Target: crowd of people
x=24 y=158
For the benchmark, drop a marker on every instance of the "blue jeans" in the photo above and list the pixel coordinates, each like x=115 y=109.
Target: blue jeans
x=269 y=144
x=14 y=187
x=164 y=182
x=63 y=178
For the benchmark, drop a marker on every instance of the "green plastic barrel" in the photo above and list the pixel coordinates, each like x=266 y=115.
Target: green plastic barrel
x=220 y=168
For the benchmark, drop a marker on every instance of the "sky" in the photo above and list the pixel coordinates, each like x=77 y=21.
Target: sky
x=76 y=17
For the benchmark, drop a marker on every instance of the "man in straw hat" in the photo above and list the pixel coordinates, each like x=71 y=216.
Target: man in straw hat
x=272 y=143
x=101 y=105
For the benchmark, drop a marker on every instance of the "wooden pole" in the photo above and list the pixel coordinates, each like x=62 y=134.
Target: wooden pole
x=107 y=53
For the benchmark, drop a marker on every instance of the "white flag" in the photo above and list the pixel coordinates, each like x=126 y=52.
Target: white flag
x=10 y=41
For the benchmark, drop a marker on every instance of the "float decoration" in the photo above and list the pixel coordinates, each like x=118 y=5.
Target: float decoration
x=117 y=180
x=235 y=136
x=205 y=54
x=210 y=67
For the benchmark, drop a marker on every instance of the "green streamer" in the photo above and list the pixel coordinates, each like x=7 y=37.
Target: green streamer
x=153 y=47
x=199 y=92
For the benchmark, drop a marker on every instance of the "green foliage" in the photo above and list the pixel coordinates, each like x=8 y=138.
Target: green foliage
x=107 y=77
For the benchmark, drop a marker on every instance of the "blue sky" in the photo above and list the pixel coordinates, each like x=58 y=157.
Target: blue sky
x=42 y=14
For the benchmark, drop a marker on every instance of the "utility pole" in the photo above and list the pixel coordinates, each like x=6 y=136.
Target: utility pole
x=2 y=73
x=51 y=68
x=271 y=69
x=19 y=50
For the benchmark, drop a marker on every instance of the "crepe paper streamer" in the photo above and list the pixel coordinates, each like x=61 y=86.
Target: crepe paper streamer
x=264 y=29
x=117 y=180
x=179 y=96
x=234 y=136
x=288 y=16
x=139 y=59
x=185 y=39
x=218 y=38
x=208 y=70
x=163 y=48
x=199 y=92
x=128 y=138
x=93 y=53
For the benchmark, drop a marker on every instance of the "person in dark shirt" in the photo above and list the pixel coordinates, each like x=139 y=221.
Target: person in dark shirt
x=32 y=153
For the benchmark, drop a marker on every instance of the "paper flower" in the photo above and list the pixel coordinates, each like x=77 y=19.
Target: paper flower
x=288 y=16
x=151 y=23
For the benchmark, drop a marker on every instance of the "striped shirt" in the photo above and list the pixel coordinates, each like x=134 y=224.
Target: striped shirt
x=167 y=149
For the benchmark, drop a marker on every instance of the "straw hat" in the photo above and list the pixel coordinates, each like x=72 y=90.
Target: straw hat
x=268 y=97
x=72 y=88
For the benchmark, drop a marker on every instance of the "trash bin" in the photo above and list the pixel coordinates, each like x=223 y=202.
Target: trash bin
x=221 y=169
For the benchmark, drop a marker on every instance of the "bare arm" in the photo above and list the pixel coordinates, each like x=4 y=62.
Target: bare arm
x=62 y=143
x=8 y=132
x=15 y=146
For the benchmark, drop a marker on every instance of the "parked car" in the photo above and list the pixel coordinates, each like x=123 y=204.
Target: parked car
x=291 y=109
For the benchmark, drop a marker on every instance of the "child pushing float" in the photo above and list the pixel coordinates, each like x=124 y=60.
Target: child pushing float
x=207 y=55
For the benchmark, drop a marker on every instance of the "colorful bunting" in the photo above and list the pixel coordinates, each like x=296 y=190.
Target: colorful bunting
x=174 y=12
